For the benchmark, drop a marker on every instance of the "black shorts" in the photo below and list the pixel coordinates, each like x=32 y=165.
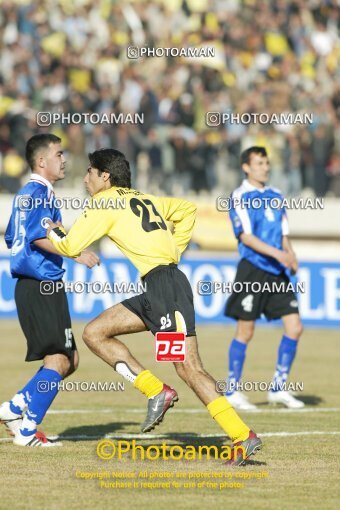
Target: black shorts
x=167 y=304
x=249 y=306
x=44 y=319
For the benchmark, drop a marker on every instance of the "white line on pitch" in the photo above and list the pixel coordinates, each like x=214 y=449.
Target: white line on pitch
x=195 y=411
x=185 y=435
x=171 y=436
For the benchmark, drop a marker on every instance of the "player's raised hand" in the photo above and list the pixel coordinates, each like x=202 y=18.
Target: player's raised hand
x=88 y=258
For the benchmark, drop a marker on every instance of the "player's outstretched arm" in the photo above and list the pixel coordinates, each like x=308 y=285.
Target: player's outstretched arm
x=92 y=225
x=285 y=258
x=183 y=215
x=88 y=258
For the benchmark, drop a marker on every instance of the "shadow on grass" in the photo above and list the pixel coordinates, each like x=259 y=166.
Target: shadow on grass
x=94 y=432
x=250 y=462
x=309 y=400
x=115 y=431
x=202 y=445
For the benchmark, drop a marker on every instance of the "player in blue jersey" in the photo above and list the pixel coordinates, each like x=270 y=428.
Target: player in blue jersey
x=43 y=314
x=261 y=227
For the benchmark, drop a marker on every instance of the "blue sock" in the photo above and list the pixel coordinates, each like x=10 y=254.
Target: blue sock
x=286 y=355
x=23 y=397
x=47 y=386
x=237 y=355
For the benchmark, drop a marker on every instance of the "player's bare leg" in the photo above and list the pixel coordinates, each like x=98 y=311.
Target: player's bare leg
x=62 y=364
x=292 y=326
x=244 y=331
x=292 y=331
x=74 y=363
x=192 y=372
x=196 y=377
x=100 y=336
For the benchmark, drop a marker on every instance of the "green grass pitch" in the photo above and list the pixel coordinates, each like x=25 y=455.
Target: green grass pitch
x=299 y=458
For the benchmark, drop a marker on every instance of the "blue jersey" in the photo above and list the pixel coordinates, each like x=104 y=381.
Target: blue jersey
x=32 y=206
x=259 y=212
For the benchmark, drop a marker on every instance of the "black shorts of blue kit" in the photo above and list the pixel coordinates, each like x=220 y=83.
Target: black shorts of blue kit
x=250 y=306
x=167 y=291
x=44 y=319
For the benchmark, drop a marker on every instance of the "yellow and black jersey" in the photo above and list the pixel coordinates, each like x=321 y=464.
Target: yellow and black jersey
x=136 y=223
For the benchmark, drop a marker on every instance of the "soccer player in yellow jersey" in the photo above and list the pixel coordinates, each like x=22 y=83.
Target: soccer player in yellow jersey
x=140 y=231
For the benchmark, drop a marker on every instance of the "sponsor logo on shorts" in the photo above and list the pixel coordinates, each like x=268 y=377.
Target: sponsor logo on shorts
x=170 y=346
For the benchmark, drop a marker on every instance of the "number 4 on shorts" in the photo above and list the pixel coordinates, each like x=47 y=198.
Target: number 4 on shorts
x=247 y=303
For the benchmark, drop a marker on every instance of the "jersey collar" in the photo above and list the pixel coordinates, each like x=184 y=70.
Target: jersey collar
x=41 y=180
x=250 y=187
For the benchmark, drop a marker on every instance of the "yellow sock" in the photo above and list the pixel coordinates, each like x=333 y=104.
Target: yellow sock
x=228 y=419
x=148 y=384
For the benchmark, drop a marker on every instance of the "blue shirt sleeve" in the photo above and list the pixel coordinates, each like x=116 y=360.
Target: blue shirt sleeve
x=239 y=216
x=236 y=223
x=9 y=234
x=43 y=209
x=10 y=230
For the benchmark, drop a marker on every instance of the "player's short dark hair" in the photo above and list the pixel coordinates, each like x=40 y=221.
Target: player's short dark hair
x=113 y=162
x=246 y=155
x=37 y=142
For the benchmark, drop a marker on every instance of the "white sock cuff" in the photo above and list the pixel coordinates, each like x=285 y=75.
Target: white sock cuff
x=125 y=371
